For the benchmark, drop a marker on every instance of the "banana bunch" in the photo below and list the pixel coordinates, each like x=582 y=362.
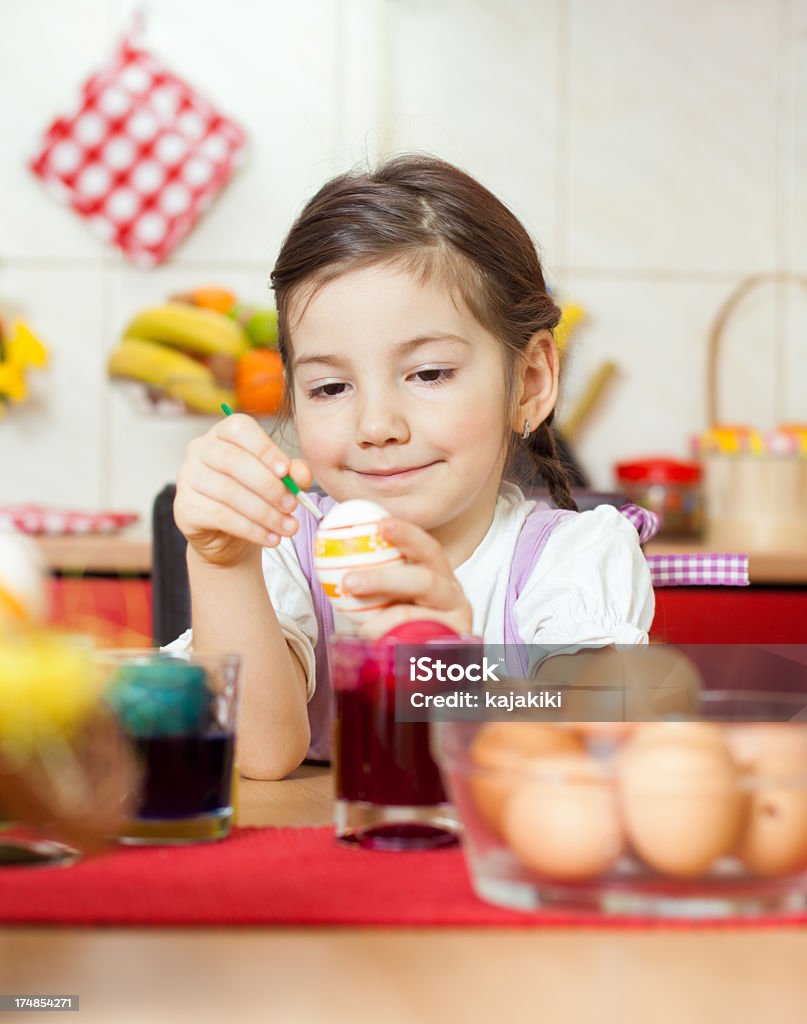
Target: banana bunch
x=204 y=332
x=259 y=324
x=182 y=351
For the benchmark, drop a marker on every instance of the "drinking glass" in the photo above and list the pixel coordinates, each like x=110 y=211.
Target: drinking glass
x=180 y=715
x=389 y=793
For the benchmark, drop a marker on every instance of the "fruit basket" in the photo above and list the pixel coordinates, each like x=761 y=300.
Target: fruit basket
x=199 y=350
x=700 y=817
x=755 y=481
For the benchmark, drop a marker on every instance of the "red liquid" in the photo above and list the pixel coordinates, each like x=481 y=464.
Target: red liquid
x=184 y=776
x=380 y=764
x=377 y=759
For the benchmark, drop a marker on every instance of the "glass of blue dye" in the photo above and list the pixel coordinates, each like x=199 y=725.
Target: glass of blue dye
x=179 y=712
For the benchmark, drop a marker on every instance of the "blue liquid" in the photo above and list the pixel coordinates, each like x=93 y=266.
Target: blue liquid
x=184 y=776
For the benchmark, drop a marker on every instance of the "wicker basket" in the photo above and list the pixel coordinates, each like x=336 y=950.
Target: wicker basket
x=753 y=500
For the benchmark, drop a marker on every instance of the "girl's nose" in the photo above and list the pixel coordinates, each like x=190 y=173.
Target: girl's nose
x=381 y=422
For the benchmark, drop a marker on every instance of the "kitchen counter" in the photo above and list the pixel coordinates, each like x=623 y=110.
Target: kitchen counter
x=788 y=568
x=130 y=553
x=98 y=554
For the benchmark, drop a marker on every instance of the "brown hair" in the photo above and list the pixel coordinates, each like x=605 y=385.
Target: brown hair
x=439 y=222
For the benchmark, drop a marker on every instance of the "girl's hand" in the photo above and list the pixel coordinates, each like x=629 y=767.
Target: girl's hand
x=423 y=588
x=230 y=496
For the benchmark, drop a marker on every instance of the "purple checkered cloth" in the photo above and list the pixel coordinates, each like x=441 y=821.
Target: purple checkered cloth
x=646 y=522
x=686 y=570
x=698 y=570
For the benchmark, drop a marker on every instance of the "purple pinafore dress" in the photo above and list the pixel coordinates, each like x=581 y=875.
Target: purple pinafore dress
x=532 y=539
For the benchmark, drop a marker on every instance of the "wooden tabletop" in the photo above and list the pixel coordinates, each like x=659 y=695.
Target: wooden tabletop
x=98 y=553
x=786 y=568
x=404 y=975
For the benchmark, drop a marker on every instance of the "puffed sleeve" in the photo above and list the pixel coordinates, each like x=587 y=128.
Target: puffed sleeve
x=591 y=585
x=291 y=598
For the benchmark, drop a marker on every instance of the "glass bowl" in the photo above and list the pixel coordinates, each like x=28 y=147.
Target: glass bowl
x=701 y=817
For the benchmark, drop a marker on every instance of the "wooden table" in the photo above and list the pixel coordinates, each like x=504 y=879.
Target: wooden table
x=414 y=975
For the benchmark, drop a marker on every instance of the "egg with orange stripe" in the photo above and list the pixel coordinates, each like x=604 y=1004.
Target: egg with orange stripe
x=23 y=596
x=348 y=538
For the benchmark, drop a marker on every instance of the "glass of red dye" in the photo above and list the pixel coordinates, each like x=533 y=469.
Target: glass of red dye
x=389 y=792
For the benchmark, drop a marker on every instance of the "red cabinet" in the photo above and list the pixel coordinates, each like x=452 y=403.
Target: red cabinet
x=731 y=615
x=103 y=588
x=115 y=610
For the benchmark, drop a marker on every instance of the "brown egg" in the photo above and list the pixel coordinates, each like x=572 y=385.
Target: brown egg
x=564 y=822
x=752 y=741
x=775 y=838
x=679 y=796
x=679 y=732
x=611 y=731
x=505 y=747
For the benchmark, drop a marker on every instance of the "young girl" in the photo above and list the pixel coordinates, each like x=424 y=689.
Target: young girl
x=416 y=335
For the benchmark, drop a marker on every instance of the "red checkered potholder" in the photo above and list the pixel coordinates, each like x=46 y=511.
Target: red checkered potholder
x=141 y=156
x=38 y=519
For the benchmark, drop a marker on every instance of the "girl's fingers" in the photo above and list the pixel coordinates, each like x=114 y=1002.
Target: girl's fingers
x=423 y=587
x=212 y=515
x=383 y=621
x=245 y=432
x=301 y=474
x=416 y=584
x=415 y=544
x=246 y=469
x=225 y=493
x=239 y=449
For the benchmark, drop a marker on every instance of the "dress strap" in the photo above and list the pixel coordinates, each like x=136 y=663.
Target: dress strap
x=535 y=532
x=320 y=707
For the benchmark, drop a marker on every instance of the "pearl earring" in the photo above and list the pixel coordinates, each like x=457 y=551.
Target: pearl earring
x=527 y=430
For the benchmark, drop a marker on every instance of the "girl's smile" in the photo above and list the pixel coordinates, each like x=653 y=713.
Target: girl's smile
x=399 y=397
x=387 y=477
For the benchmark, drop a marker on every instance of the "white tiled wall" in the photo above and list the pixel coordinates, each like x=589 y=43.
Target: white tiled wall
x=476 y=83
x=673 y=134
x=657 y=152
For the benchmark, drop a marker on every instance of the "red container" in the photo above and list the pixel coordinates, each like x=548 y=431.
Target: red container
x=669 y=488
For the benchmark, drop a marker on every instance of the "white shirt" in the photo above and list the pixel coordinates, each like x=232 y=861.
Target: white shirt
x=591 y=585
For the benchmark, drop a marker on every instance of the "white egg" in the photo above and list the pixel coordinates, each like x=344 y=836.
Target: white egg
x=348 y=538
x=22 y=580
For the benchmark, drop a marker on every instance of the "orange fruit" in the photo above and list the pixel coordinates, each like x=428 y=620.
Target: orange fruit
x=259 y=381
x=219 y=299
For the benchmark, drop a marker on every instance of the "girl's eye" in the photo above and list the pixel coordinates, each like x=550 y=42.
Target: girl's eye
x=332 y=390
x=436 y=375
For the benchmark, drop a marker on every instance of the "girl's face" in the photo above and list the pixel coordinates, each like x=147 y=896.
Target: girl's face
x=400 y=398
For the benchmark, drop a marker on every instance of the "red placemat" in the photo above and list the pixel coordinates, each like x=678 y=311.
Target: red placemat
x=277 y=877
